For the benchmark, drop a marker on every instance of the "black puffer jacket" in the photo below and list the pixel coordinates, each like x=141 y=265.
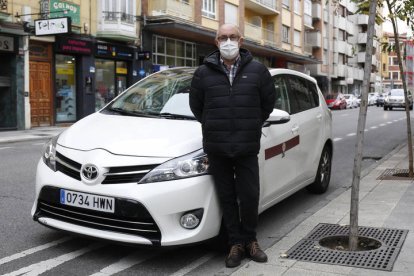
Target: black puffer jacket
x=232 y=115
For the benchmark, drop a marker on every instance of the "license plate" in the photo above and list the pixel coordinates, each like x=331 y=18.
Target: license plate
x=87 y=201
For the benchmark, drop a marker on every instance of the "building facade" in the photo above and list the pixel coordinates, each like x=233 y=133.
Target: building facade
x=339 y=40
x=67 y=76
x=59 y=78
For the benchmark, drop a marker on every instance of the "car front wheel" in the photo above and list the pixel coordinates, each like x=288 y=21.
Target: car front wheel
x=323 y=175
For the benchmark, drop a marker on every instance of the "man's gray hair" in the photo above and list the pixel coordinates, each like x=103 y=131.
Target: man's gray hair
x=229 y=25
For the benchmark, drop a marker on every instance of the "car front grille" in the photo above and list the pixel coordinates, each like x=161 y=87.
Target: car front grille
x=115 y=175
x=130 y=216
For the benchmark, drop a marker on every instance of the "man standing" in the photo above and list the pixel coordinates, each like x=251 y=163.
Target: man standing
x=231 y=96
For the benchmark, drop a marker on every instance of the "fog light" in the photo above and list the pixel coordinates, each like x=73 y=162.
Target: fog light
x=191 y=219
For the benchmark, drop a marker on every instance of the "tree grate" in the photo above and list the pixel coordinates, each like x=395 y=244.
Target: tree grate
x=395 y=174
x=382 y=258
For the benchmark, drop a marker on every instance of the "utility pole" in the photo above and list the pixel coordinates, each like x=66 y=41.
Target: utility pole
x=329 y=60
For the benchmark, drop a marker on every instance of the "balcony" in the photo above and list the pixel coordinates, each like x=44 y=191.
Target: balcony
x=178 y=9
x=341 y=70
x=269 y=38
x=350 y=72
x=117 y=25
x=307 y=49
x=352 y=7
x=315 y=39
x=263 y=7
x=325 y=43
x=342 y=23
x=361 y=58
x=316 y=11
x=253 y=32
x=325 y=16
x=341 y=47
x=307 y=21
x=373 y=78
x=362 y=38
x=350 y=27
x=362 y=19
x=349 y=50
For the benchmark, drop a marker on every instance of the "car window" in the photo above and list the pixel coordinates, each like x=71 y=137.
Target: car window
x=282 y=99
x=314 y=93
x=299 y=89
x=164 y=92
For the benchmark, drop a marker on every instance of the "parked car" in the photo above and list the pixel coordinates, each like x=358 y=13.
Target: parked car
x=380 y=100
x=372 y=99
x=135 y=171
x=351 y=101
x=335 y=101
x=396 y=98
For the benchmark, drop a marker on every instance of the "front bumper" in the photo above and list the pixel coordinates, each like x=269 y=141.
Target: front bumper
x=147 y=214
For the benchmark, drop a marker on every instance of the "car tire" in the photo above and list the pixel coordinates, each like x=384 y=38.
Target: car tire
x=323 y=174
x=390 y=108
x=385 y=108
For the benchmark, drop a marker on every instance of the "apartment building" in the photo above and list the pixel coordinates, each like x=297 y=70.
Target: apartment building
x=391 y=76
x=339 y=40
x=60 y=77
x=182 y=32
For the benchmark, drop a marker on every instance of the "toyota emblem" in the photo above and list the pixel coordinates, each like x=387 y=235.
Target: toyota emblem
x=90 y=172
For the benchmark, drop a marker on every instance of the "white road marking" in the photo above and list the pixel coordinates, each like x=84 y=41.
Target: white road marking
x=351 y=134
x=382 y=125
x=373 y=127
x=395 y=120
x=389 y=123
x=366 y=129
x=193 y=265
x=5 y=148
x=337 y=139
x=33 y=250
x=43 y=266
x=125 y=263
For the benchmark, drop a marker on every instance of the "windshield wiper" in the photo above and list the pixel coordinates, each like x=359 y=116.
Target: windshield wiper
x=168 y=115
x=129 y=113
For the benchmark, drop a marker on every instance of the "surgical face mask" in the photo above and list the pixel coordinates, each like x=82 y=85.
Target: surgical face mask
x=229 y=49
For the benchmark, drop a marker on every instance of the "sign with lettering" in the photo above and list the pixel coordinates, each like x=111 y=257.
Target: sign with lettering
x=73 y=46
x=52 y=26
x=114 y=51
x=7 y=44
x=61 y=8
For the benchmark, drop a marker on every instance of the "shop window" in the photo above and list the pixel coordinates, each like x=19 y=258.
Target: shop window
x=65 y=97
x=105 y=82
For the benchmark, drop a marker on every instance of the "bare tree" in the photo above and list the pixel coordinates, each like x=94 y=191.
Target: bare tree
x=353 y=229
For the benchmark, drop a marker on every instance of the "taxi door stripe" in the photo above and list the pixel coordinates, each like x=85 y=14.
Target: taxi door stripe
x=278 y=149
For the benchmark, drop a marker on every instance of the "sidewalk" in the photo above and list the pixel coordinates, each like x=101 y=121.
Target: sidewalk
x=383 y=203
x=38 y=133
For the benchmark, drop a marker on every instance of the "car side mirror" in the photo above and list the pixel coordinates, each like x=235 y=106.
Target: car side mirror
x=277 y=117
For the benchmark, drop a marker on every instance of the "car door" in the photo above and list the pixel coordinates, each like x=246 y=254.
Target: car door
x=279 y=152
x=309 y=121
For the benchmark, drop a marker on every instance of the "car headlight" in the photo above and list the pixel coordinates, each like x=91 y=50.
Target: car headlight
x=190 y=165
x=49 y=153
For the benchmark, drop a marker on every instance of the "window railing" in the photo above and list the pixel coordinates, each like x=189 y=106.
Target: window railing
x=268 y=3
x=118 y=16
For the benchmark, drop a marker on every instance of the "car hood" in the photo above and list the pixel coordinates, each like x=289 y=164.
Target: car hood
x=137 y=136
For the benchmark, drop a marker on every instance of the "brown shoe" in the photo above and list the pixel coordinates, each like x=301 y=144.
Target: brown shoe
x=235 y=256
x=255 y=253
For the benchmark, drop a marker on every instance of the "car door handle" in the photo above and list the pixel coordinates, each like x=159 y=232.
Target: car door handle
x=295 y=129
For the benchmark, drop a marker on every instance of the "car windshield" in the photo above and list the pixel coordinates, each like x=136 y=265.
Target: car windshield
x=398 y=92
x=163 y=94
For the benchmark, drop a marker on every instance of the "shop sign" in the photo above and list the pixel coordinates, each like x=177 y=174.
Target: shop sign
x=74 y=46
x=52 y=26
x=120 y=70
x=7 y=44
x=113 y=51
x=61 y=8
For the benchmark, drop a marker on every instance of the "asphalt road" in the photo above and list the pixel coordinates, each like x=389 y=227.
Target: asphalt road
x=27 y=248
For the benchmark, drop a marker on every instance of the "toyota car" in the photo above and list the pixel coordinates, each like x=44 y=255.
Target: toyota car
x=135 y=171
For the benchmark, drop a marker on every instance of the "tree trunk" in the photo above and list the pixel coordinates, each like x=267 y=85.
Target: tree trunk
x=407 y=105
x=353 y=229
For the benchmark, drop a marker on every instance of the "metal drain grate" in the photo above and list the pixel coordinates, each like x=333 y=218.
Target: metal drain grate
x=395 y=174
x=383 y=258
